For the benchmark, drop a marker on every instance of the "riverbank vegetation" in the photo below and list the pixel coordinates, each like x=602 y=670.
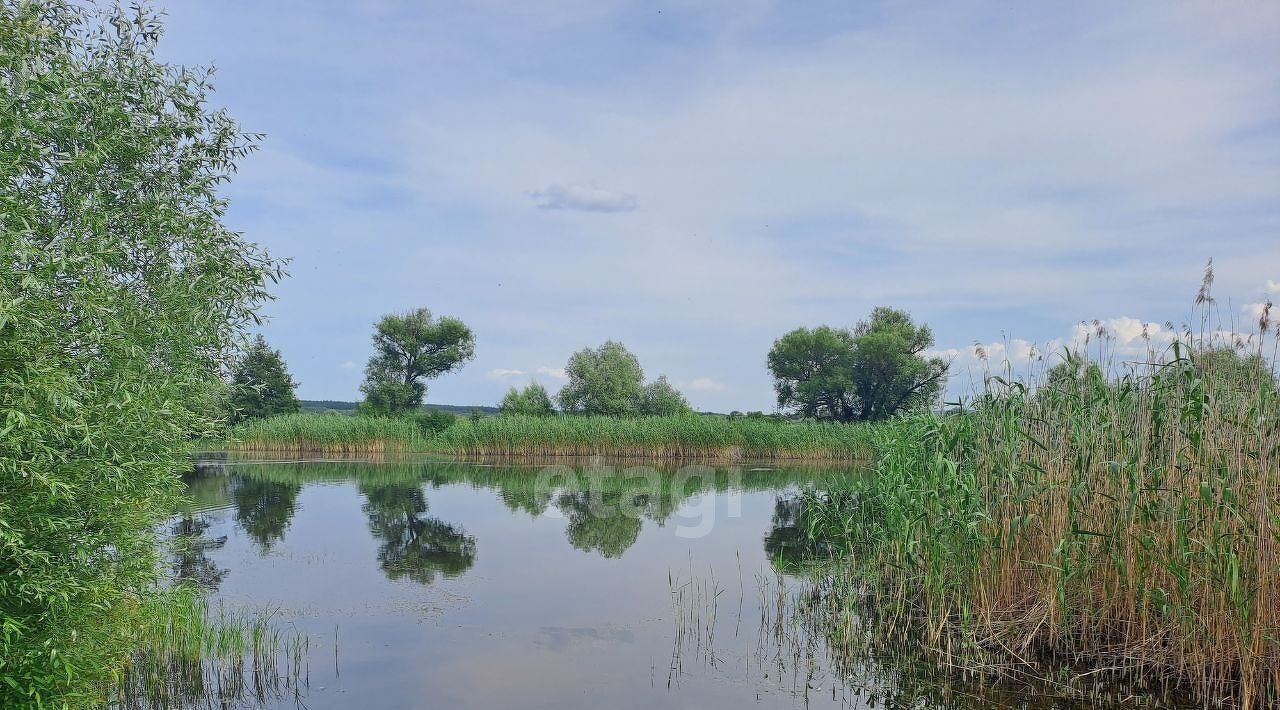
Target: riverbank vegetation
x=680 y=436
x=1114 y=519
x=188 y=655
x=879 y=368
x=121 y=296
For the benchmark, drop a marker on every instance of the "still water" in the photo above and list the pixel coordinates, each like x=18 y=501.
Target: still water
x=442 y=584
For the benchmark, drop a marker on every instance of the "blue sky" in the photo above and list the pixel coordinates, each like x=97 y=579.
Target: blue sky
x=696 y=179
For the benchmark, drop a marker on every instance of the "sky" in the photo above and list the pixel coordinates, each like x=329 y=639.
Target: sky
x=696 y=179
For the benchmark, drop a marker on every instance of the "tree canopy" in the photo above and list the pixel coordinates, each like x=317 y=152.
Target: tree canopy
x=122 y=294
x=604 y=380
x=261 y=386
x=609 y=381
x=532 y=401
x=660 y=399
x=410 y=348
x=870 y=372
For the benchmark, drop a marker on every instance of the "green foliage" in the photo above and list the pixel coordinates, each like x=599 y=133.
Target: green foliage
x=410 y=348
x=604 y=380
x=532 y=401
x=189 y=656
x=660 y=399
x=435 y=420
x=1235 y=373
x=121 y=294
x=261 y=385
x=813 y=372
x=871 y=372
x=608 y=381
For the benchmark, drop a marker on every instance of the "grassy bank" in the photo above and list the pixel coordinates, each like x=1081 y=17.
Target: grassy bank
x=1121 y=527
x=693 y=437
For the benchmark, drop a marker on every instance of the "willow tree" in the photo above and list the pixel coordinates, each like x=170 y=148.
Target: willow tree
x=606 y=380
x=660 y=399
x=409 y=349
x=877 y=369
x=121 y=293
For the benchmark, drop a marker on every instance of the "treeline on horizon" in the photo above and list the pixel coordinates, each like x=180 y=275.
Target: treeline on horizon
x=870 y=372
x=824 y=378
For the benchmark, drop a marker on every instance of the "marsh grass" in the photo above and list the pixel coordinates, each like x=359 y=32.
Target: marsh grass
x=190 y=656
x=1114 y=516
x=327 y=434
x=683 y=437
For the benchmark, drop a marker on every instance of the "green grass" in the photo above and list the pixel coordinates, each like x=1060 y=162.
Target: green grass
x=691 y=437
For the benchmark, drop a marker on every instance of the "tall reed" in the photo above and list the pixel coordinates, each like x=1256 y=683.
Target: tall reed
x=684 y=436
x=327 y=433
x=691 y=436
x=1121 y=518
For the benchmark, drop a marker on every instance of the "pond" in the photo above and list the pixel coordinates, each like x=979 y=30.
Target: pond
x=428 y=583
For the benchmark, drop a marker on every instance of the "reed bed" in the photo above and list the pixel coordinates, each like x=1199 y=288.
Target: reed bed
x=675 y=437
x=327 y=434
x=680 y=437
x=1120 y=519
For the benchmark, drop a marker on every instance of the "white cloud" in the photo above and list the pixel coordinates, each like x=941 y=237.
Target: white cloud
x=755 y=147
x=1272 y=287
x=502 y=373
x=348 y=365
x=583 y=199
x=1128 y=335
x=556 y=372
x=1254 y=311
x=703 y=384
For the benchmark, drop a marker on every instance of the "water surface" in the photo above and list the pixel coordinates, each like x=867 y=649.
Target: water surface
x=430 y=584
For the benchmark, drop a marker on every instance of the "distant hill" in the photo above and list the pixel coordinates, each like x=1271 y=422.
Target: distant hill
x=333 y=405
x=322 y=405
x=461 y=408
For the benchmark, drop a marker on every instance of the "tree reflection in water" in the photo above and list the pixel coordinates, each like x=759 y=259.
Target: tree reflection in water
x=190 y=562
x=606 y=507
x=414 y=545
x=598 y=520
x=787 y=545
x=264 y=508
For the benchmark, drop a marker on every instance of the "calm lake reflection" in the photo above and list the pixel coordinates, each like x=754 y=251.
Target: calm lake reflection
x=431 y=584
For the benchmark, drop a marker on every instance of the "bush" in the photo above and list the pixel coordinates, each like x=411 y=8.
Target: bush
x=433 y=421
